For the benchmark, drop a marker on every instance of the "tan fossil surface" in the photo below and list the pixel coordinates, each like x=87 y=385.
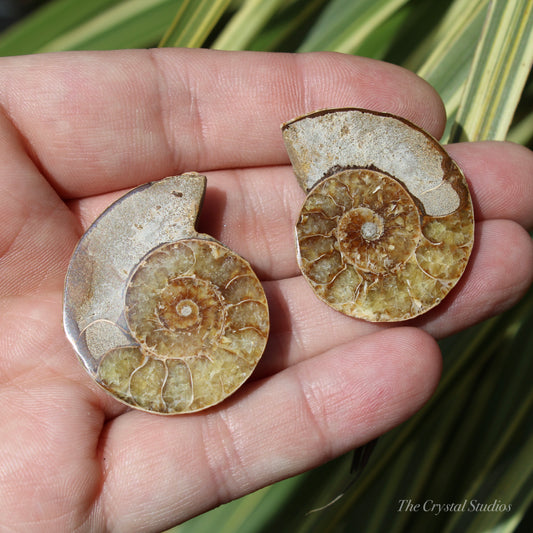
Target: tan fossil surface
x=387 y=227
x=164 y=318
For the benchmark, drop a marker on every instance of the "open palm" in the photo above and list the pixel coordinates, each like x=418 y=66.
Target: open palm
x=76 y=131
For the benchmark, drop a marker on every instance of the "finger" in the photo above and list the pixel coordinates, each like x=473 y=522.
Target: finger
x=37 y=231
x=302 y=326
x=98 y=122
x=499 y=176
x=254 y=211
x=271 y=430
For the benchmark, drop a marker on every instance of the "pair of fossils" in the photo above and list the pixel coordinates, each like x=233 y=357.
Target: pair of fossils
x=171 y=321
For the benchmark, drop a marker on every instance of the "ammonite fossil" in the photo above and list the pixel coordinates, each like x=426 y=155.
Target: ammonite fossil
x=164 y=318
x=387 y=227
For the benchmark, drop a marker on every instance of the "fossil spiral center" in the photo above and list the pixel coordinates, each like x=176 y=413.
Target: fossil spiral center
x=190 y=304
x=185 y=308
x=173 y=315
x=360 y=222
x=187 y=313
x=357 y=230
x=370 y=231
x=370 y=217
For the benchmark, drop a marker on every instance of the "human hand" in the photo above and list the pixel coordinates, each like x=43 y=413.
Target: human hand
x=78 y=129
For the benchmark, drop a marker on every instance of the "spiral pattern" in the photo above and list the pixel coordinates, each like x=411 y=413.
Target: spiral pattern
x=199 y=319
x=367 y=248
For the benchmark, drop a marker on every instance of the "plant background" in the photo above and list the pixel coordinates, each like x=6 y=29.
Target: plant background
x=473 y=442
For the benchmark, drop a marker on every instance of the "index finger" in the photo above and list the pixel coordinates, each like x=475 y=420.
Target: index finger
x=102 y=121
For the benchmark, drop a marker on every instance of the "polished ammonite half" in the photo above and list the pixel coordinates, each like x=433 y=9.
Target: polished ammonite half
x=171 y=329
x=387 y=227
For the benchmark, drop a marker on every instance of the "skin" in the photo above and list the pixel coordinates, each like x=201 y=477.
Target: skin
x=76 y=131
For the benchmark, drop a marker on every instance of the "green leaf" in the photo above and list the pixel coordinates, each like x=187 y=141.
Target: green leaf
x=288 y=26
x=346 y=24
x=444 y=58
x=193 y=22
x=98 y=25
x=502 y=63
x=47 y=23
x=522 y=131
x=246 y=24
